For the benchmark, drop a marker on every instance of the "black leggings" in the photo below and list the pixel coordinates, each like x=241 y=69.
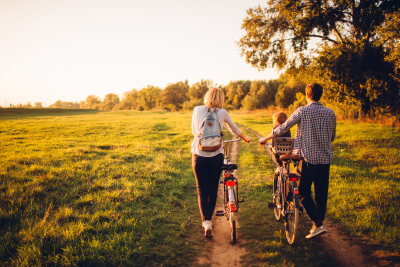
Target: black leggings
x=207 y=171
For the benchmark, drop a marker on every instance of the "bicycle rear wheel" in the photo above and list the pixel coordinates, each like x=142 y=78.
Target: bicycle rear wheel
x=293 y=217
x=277 y=198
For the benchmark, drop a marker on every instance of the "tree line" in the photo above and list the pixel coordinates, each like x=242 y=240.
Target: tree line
x=242 y=94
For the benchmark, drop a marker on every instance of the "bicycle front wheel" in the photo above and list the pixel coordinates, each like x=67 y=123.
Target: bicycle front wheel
x=232 y=214
x=233 y=231
x=292 y=218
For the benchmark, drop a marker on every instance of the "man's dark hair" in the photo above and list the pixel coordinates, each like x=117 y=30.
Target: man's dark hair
x=314 y=91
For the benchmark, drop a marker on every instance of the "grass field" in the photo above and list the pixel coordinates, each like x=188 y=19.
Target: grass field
x=96 y=189
x=89 y=188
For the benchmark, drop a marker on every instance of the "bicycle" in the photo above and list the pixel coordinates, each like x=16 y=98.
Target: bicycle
x=285 y=195
x=231 y=192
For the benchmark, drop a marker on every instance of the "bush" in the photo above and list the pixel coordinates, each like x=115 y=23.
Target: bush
x=300 y=101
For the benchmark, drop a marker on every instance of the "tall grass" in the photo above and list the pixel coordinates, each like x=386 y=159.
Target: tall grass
x=102 y=189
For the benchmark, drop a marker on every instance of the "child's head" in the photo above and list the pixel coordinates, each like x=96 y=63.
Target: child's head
x=278 y=118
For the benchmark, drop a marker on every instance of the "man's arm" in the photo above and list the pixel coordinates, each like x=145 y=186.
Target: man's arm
x=283 y=128
x=264 y=140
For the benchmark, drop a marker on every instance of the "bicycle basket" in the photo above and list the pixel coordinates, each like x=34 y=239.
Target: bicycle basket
x=282 y=145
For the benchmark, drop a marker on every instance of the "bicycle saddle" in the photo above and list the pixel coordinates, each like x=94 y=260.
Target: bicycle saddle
x=229 y=167
x=289 y=156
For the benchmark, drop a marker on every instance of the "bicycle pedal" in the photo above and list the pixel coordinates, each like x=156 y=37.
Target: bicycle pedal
x=271 y=205
x=241 y=199
x=219 y=213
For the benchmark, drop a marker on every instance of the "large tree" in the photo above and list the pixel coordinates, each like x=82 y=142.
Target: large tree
x=110 y=100
x=149 y=97
x=92 y=101
x=129 y=100
x=175 y=94
x=344 y=40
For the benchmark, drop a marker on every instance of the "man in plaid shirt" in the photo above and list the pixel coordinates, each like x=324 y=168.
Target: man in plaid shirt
x=316 y=129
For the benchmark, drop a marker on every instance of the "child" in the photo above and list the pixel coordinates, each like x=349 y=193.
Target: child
x=278 y=118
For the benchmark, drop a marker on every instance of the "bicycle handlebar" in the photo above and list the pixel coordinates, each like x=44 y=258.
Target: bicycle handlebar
x=233 y=140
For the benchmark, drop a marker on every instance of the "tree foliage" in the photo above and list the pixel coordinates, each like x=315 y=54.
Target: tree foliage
x=149 y=97
x=300 y=101
x=199 y=89
x=110 y=100
x=261 y=94
x=38 y=105
x=349 y=54
x=92 y=101
x=175 y=94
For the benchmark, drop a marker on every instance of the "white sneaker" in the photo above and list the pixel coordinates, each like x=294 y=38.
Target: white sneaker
x=317 y=231
x=313 y=227
x=207 y=229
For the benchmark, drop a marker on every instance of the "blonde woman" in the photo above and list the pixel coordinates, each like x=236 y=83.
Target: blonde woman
x=207 y=165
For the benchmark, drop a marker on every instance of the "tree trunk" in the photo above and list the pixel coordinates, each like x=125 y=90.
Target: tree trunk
x=365 y=104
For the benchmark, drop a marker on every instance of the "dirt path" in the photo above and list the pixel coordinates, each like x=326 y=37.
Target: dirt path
x=222 y=252
x=335 y=241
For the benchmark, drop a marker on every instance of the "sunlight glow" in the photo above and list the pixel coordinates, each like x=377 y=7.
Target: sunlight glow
x=67 y=50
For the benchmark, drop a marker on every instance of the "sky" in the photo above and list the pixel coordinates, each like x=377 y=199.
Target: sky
x=66 y=50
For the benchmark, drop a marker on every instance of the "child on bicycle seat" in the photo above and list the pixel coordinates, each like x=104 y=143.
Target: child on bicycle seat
x=278 y=118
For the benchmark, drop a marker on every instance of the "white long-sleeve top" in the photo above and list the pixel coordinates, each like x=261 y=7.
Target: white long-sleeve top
x=199 y=113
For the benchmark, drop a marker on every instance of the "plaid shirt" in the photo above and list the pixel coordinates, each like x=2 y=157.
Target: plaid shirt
x=316 y=130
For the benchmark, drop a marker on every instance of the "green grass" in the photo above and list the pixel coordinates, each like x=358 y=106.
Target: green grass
x=364 y=190
x=17 y=113
x=98 y=189
x=89 y=188
x=365 y=184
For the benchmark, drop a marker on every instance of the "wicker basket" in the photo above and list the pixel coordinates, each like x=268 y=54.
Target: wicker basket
x=282 y=145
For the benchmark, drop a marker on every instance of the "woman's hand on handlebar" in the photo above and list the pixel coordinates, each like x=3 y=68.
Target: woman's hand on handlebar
x=247 y=139
x=244 y=138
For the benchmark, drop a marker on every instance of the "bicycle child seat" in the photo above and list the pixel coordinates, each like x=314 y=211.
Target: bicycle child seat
x=282 y=145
